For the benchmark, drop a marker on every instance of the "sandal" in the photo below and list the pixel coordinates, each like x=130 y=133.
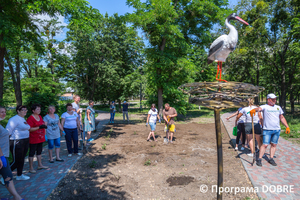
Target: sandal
x=51 y=161
x=61 y=160
x=32 y=171
x=44 y=167
x=148 y=140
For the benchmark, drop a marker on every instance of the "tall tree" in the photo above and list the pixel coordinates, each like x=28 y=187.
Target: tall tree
x=172 y=28
x=16 y=20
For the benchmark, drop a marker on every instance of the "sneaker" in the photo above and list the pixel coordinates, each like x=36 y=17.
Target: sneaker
x=70 y=155
x=113 y=122
x=258 y=162
x=250 y=154
x=272 y=162
x=236 y=148
x=22 y=178
x=242 y=148
x=257 y=150
x=79 y=154
x=90 y=140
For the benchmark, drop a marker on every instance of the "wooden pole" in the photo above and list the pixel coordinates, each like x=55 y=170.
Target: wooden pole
x=219 y=151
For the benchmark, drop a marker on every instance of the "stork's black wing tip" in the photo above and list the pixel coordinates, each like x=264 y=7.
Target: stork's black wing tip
x=209 y=61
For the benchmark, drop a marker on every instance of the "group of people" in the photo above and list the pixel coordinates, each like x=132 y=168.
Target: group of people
x=168 y=114
x=266 y=127
x=21 y=135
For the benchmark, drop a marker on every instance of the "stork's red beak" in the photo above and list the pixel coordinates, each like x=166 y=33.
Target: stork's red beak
x=241 y=20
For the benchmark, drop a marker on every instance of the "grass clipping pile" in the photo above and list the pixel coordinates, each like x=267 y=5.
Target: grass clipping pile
x=121 y=164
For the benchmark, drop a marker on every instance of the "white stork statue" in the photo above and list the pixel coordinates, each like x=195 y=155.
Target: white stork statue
x=223 y=45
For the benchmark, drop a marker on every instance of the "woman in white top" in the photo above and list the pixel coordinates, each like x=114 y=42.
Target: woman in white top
x=18 y=130
x=240 y=130
x=5 y=170
x=71 y=125
x=248 y=126
x=152 y=115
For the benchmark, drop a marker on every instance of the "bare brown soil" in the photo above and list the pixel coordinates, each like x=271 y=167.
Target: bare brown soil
x=121 y=164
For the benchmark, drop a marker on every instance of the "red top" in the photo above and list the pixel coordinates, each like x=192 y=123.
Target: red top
x=37 y=136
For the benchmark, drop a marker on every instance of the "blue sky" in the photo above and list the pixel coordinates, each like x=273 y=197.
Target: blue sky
x=120 y=7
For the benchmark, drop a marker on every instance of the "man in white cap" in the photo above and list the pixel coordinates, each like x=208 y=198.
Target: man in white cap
x=272 y=115
x=125 y=111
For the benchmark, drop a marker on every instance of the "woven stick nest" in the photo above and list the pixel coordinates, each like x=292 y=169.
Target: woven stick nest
x=220 y=94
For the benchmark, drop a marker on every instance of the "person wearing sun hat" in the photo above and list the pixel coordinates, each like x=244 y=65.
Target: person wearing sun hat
x=272 y=115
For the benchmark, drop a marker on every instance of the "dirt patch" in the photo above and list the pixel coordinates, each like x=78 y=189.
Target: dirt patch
x=132 y=168
x=179 y=180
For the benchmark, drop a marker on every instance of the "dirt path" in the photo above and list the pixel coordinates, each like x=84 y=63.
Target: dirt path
x=131 y=168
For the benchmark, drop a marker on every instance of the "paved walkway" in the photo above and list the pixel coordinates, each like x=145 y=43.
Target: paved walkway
x=41 y=184
x=286 y=173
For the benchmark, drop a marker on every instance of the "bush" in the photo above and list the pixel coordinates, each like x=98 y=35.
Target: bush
x=44 y=100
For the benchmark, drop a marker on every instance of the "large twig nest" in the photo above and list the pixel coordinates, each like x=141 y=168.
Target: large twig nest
x=220 y=94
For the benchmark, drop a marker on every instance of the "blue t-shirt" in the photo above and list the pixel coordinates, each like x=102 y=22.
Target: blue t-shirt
x=125 y=107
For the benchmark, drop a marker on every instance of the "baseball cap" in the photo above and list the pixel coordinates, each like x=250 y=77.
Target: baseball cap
x=124 y=101
x=271 y=96
x=112 y=102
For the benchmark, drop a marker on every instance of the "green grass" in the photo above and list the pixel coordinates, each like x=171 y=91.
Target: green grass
x=294 y=124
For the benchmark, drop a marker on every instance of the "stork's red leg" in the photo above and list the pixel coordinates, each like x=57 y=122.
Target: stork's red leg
x=220 y=71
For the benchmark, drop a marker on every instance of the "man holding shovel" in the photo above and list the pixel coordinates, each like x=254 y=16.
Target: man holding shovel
x=169 y=113
x=272 y=115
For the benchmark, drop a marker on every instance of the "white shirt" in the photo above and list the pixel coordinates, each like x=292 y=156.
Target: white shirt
x=248 y=118
x=242 y=118
x=17 y=128
x=153 y=116
x=76 y=107
x=70 y=120
x=271 y=117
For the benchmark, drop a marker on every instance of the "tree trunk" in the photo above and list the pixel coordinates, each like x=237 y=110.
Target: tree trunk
x=160 y=101
x=2 y=53
x=16 y=78
x=141 y=97
x=160 y=89
x=292 y=101
x=18 y=91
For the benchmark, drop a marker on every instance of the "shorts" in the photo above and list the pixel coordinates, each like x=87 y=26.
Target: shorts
x=170 y=128
x=38 y=148
x=6 y=172
x=52 y=142
x=248 y=128
x=271 y=136
x=152 y=126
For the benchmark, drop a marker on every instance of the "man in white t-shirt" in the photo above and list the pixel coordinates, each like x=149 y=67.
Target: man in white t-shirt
x=272 y=115
x=77 y=109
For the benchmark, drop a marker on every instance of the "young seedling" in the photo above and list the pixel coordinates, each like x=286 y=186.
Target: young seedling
x=92 y=164
x=148 y=162
x=104 y=146
x=134 y=133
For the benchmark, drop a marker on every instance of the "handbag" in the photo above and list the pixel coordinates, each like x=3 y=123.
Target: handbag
x=234 y=132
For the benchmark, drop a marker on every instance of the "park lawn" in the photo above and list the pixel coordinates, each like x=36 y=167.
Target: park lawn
x=294 y=124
